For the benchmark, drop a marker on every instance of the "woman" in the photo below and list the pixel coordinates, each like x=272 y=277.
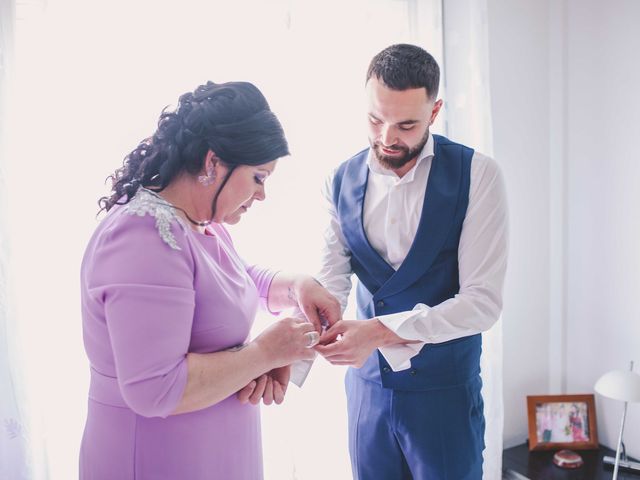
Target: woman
x=168 y=304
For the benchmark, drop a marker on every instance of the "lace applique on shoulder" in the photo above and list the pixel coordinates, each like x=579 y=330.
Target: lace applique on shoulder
x=146 y=202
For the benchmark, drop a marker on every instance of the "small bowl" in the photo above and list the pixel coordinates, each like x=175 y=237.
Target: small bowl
x=567 y=459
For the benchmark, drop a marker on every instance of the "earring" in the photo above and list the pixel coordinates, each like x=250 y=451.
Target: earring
x=209 y=178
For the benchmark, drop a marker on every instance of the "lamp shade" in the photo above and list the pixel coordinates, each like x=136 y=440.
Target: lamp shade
x=619 y=385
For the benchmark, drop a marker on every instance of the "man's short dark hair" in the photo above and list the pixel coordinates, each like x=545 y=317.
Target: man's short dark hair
x=404 y=66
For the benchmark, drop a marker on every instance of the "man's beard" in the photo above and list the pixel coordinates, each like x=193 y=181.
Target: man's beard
x=395 y=162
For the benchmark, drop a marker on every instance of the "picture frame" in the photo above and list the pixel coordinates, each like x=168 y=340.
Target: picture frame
x=562 y=421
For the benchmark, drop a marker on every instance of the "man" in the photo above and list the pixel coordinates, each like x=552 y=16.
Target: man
x=422 y=222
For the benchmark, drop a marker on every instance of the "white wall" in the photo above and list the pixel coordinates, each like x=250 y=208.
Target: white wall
x=603 y=107
x=518 y=42
x=566 y=113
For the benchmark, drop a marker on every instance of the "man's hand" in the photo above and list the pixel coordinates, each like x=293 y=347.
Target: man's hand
x=350 y=342
x=317 y=304
x=270 y=387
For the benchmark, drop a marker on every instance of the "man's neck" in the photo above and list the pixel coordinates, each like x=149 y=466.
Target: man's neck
x=402 y=171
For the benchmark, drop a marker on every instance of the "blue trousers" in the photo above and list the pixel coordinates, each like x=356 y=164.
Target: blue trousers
x=426 y=435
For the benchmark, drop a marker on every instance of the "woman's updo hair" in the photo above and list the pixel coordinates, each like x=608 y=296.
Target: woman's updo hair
x=232 y=119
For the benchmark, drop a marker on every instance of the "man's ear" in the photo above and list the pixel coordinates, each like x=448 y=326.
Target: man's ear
x=436 y=109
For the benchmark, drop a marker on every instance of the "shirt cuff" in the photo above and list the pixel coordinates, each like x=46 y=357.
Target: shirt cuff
x=299 y=371
x=407 y=324
x=402 y=324
x=399 y=356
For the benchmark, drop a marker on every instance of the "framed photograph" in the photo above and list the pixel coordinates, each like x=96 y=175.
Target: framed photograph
x=562 y=421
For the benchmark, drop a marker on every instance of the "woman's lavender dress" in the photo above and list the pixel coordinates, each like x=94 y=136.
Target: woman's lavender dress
x=152 y=290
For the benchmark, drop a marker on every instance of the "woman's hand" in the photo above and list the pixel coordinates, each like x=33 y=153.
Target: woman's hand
x=270 y=387
x=287 y=341
x=318 y=305
x=212 y=377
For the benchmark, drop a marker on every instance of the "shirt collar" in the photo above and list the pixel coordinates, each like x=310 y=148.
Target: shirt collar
x=375 y=167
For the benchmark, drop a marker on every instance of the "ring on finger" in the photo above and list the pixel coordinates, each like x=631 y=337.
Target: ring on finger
x=312 y=338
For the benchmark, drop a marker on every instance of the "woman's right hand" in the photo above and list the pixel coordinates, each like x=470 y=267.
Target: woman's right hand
x=287 y=341
x=270 y=387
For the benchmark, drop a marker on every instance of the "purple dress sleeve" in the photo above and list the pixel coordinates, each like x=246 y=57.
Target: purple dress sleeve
x=261 y=276
x=148 y=294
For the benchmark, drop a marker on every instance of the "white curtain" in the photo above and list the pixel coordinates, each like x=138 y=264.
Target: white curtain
x=331 y=43
x=15 y=462
x=468 y=107
x=93 y=79
x=89 y=92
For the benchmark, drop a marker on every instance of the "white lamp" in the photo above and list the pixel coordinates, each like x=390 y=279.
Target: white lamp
x=624 y=386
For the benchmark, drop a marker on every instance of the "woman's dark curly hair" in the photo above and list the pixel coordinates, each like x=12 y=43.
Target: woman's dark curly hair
x=231 y=119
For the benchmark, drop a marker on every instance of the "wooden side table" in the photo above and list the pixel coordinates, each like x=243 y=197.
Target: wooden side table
x=538 y=465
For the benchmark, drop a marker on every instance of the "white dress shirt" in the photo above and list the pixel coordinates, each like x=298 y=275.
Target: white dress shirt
x=391 y=214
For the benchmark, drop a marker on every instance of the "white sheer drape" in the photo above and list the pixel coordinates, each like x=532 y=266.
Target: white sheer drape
x=469 y=121
x=16 y=444
x=94 y=78
x=331 y=43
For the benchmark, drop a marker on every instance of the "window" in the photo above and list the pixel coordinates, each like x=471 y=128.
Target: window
x=91 y=81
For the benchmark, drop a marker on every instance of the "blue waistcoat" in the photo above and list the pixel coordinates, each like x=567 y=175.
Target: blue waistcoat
x=428 y=275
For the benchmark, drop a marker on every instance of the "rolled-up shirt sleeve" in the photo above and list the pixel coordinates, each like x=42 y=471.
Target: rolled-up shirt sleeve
x=147 y=290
